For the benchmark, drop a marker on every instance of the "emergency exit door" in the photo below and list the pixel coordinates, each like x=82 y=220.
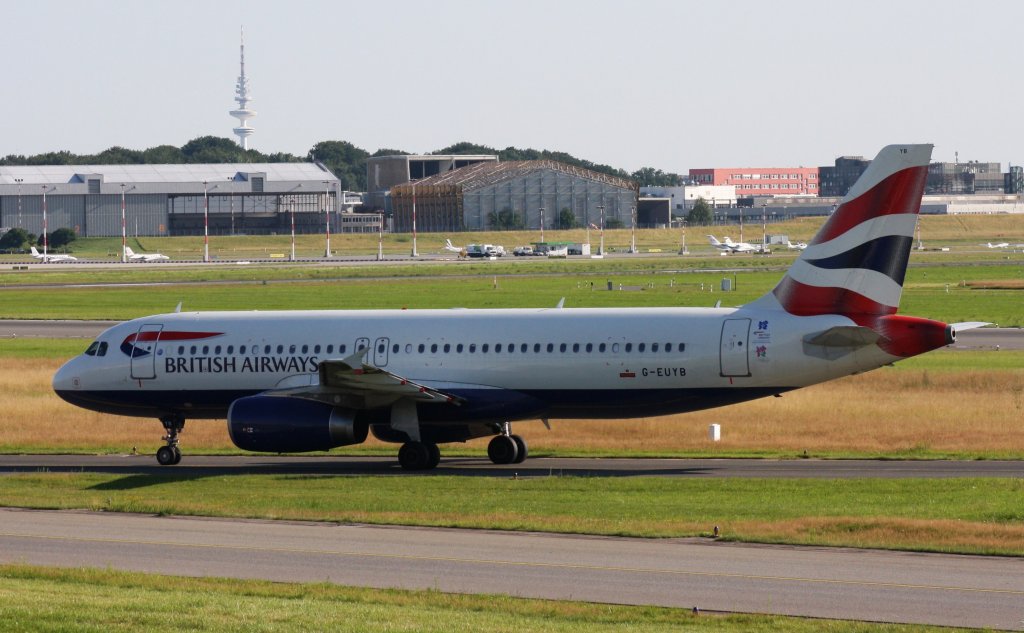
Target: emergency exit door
x=735 y=341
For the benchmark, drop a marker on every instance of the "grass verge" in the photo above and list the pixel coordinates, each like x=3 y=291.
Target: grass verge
x=965 y=515
x=45 y=599
x=929 y=407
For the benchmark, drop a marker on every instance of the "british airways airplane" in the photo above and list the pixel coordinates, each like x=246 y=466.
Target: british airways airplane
x=294 y=381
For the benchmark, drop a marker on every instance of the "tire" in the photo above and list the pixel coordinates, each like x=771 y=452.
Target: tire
x=414 y=456
x=177 y=455
x=165 y=456
x=435 y=456
x=521 y=449
x=502 y=450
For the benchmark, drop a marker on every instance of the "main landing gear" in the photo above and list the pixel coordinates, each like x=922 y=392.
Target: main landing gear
x=170 y=454
x=419 y=455
x=507 y=448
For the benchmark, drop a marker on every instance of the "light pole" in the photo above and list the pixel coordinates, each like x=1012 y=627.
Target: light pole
x=124 y=230
x=231 y=197
x=586 y=220
x=206 y=223
x=414 y=252
x=291 y=207
x=46 y=239
x=380 y=237
x=682 y=248
x=600 y=251
x=327 y=214
x=19 y=181
x=632 y=237
x=542 y=224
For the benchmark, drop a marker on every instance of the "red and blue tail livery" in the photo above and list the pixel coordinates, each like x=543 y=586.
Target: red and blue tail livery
x=315 y=380
x=856 y=263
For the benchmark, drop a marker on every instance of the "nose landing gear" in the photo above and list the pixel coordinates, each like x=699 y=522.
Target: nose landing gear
x=170 y=454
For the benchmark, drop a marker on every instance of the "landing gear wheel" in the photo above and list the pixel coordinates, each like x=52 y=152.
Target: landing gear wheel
x=170 y=454
x=435 y=455
x=503 y=450
x=521 y=449
x=165 y=456
x=419 y=455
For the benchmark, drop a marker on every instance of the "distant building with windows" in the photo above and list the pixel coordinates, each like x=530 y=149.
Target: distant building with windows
x=684 y=197
x=239 y=198
x=970 y=177
x=835 y=181
x=1013 y=180
x=761 y=181
x=385 y=172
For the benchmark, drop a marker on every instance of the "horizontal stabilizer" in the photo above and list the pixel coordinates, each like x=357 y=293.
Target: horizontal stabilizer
x=967 y=325
x=844 y=336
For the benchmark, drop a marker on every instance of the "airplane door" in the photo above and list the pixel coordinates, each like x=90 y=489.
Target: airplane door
x=380 y=352
x=143 y=352
x=735 y=338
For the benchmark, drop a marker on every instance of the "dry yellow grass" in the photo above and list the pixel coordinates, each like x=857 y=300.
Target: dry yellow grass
x=889 y=411
x=939 y=534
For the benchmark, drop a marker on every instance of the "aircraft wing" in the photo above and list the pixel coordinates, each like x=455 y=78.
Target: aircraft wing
x=351 y=382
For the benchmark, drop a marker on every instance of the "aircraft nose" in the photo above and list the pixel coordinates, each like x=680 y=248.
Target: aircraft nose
x=66 y=378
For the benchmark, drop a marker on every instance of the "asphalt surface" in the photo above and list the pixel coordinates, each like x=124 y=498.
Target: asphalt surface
x=816 y=582
x=216 y=465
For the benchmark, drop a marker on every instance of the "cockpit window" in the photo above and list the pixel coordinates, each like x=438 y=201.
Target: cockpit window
x=91 y=351
x=102 y=351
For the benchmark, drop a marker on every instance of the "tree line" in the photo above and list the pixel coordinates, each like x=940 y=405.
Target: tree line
x=345 y=160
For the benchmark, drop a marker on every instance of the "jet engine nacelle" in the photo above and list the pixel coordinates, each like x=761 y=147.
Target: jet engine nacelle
x=291 y=425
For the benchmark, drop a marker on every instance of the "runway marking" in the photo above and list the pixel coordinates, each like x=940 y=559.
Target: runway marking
x=475 y=561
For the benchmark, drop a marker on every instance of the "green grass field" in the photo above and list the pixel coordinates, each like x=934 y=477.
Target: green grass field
x=88 y=600
x=946 y=293
x=981 y=516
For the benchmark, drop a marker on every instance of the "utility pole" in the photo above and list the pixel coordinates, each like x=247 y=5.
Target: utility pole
x=124 y=230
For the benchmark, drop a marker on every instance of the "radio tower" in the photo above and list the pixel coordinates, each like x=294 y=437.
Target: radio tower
x=243 y=113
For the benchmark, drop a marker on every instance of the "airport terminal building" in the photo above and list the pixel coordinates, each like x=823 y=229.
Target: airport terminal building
x=246 y=198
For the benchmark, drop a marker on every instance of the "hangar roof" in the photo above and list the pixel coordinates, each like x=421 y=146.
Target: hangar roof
x=488 y=173
x=171 y=178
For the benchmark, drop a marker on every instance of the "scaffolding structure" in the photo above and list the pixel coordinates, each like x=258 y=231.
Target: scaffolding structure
x=471 y=198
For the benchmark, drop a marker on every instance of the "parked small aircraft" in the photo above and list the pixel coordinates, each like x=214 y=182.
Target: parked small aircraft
x=50 y=257
x=144 y=257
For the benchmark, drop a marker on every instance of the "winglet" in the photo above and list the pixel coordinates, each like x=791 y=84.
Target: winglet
x=561 y=303
x=177 y=308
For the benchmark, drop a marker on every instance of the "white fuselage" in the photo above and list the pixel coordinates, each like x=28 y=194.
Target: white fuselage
x=563 y=362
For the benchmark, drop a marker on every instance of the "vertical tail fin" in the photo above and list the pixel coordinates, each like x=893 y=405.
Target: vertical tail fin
x=856 y=263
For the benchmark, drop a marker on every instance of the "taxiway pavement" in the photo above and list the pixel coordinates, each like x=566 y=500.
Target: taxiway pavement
x=217 y=465
x=816 y=582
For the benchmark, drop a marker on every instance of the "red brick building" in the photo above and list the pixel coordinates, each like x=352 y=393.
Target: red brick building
x=761 y=181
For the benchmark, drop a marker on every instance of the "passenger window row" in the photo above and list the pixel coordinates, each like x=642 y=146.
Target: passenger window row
x=433 y=348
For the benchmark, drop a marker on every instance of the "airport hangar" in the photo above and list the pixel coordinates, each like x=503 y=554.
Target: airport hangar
x=243 y=198
x=467 y=198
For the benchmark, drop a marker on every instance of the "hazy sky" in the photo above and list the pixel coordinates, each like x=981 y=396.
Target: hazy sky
x=661 y=83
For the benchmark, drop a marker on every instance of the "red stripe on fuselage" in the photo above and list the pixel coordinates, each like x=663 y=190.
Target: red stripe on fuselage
x=166 y=335
x=897 y=193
